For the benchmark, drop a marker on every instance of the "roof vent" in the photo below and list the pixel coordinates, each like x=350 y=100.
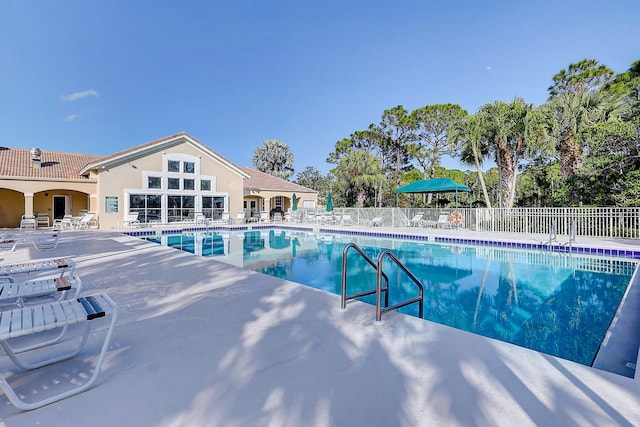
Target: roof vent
x=35 y=157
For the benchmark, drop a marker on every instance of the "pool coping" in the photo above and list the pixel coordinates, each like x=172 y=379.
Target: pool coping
x=576 y=248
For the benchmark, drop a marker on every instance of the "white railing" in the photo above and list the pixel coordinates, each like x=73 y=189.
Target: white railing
x=605 y=222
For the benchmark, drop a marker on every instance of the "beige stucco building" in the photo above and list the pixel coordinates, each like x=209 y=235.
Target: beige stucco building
x=166 y=180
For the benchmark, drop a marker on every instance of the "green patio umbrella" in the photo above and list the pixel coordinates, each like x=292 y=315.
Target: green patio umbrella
x=294 y=205
x=329 y=202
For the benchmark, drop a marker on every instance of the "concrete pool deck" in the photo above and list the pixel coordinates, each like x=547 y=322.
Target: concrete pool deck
x=202 y=343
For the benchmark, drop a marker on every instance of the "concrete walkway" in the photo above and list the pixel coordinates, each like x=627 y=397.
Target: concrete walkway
x=201 y=343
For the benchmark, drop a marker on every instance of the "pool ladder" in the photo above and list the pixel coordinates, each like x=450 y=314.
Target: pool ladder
x=380 y=274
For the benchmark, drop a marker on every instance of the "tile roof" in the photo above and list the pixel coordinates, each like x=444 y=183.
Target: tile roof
x=264 y=181
x=16 y=162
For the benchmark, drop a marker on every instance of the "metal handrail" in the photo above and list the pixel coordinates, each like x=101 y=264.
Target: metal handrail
x=419 y=299
x=344 y=297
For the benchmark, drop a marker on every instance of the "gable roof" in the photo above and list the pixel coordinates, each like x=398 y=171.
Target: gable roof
x=265 y=182
x=158 y=144
x=16 y=163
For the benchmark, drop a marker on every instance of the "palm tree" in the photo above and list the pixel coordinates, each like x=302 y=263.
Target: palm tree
x=274 y=158
x=359 y=170
x=513 y=129
x=574 y=112
x=498 y=120
x=469 y=136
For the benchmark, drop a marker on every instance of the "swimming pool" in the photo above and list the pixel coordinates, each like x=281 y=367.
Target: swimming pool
x=551 y=302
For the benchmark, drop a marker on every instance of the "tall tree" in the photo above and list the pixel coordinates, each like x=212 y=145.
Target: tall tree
x=359 y=170
x=574 y=112
x=311 y=177
x=514 y=129
x=367 y=139
x=433 y=123
x=274 y=158
x=627 y=85
x=396 y=131
x=468 y=135
x=587 y=75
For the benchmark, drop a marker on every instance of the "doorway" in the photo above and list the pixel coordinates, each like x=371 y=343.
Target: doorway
x=61 y=206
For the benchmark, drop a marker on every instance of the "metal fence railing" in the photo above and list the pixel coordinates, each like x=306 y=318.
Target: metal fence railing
x=605 y=222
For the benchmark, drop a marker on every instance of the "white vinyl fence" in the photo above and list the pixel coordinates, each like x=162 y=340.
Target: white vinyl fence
x=605 y=222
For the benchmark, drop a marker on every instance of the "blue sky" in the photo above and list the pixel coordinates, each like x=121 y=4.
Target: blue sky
x=99 y=77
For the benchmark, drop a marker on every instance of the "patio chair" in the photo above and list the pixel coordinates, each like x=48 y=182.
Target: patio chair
x=264 y=216
x=241 y=217
x=277 y=217
x=42 y=219
x=375 y=222
x=45 y=240
x=66 y=223
x=26 y=321
x=8 y=242
x=63 y=265
x=131 y=220
x=416 y=221
x=87 y=221
x=443 y=221
x=346 y=220
x=225 y=218
x=21 y=292
x=28 y=223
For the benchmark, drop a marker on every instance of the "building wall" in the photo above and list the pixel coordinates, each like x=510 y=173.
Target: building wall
x=17 y=197
x=132 y=176
x=11 y=208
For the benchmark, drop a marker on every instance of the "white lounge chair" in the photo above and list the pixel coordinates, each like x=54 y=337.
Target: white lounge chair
x=264 y=216
x=63 y=265
x=28 y=223
x=310 y=217
x=277 y=217
x=8 y=241
x=374 y=222
x=42 y=219
x=41 y=239
x=45 y=240
x=346 y=220
x=66 y=223
x=87 y=221
x=225 y=217
x=443 y=221
x=416 y=221
x=241 y=217
x=131 y=220
x=19 y=293
x=34 y=319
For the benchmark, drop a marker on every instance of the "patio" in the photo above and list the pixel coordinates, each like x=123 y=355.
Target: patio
x=202 y=343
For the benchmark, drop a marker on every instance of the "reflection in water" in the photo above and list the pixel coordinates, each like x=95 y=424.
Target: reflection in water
x=555 y=303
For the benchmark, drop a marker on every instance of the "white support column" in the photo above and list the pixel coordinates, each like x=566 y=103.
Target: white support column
x=28 y=204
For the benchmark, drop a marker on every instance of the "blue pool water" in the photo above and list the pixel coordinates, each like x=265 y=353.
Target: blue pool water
x=558 y=304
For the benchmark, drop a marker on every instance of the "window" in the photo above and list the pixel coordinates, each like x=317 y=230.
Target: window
x=173 y=184
x=180 y=208
x=189 y=167
x=154 y=182
x=212 y=207
x=148 y=206
x=278 y=203
x=173 y=166
x=189 y=184
x=205 y=185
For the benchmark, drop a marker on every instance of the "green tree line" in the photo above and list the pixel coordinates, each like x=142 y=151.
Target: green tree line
x=580 y=147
